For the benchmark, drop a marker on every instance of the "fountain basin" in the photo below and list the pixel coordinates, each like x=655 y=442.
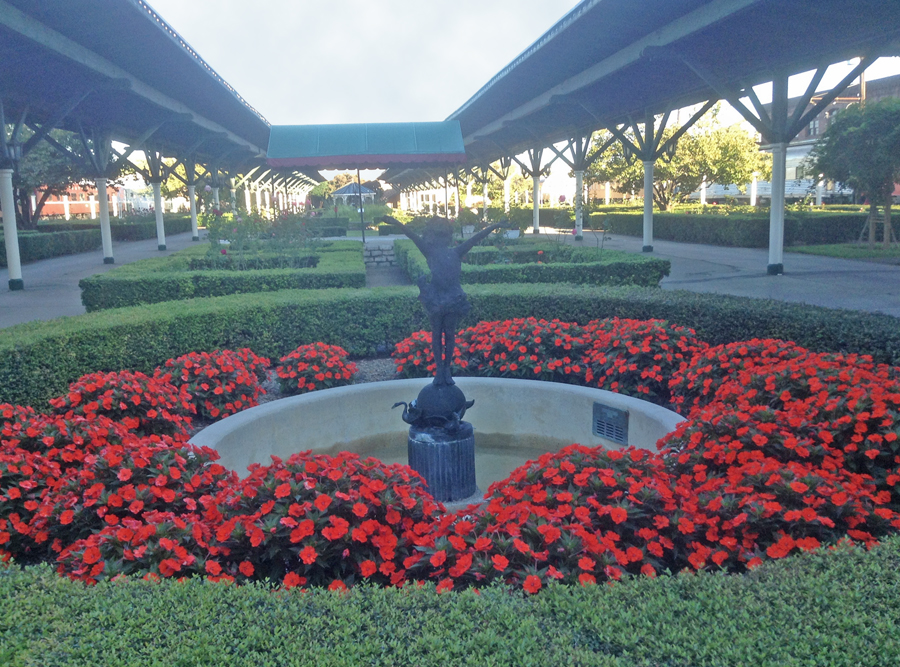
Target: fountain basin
x=515 y=421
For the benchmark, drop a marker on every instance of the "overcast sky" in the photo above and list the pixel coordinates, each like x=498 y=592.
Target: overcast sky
x=354 y=61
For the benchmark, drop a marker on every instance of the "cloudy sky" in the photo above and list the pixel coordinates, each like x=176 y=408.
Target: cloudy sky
x=346 y=61
x=354 y=61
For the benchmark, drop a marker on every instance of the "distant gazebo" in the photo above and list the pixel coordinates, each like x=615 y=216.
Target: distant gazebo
x=351 y=192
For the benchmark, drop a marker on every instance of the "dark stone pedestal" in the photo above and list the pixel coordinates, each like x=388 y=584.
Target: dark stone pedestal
x=447 y=462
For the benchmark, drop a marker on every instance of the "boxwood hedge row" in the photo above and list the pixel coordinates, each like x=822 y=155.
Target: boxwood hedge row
x=615 y=268
x=158 y=279
x=36 y=245
x=39 y=359
x=741 y=231
x=73 y=238
x=835 y=608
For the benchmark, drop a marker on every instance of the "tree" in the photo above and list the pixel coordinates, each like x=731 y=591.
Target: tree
x=47 y=170
x=861 y=148
x=708 y=152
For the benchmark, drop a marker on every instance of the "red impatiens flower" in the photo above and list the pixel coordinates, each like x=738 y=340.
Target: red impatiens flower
x=532 y=584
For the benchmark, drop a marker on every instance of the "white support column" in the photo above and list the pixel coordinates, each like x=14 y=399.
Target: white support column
x=607 y=193
x=776 y=210
x=536 y=206
x=33 y=203
x=703 y=192
x=753 y=189
x=579 y=205
x=105 y=231
x=468 y=194
x=92 y=203
x=115 y=204
x=484 y=201
x=10 y=232
x=820 y=189
x=66 y=207
x=247 y=202
x=268 y=201
x=506 y=185
x=216 y=198
x=160 y=223
x=192 y=203
x=648 y=205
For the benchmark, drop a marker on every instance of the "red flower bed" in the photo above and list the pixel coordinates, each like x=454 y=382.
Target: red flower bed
x=414 y=356
x=222 y=383
x=314 y=366
x=143 y=404
x=578 y=516
x=784 y=450
x=325 y=520
x=638 y=357
x=38 y=454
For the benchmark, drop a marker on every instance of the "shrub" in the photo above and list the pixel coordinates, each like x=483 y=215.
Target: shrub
x=33 y=247
x=220 y=383
x=637 y=357
x=695 y=383
x=314 y=366
x=127 y=482
x=169 y=278
x=414 y=356
x=612 y=268
x=325 y=521
x=37 y=454
x=741 y=230
x=143 y=404
x=40 y=359
x=581 y=515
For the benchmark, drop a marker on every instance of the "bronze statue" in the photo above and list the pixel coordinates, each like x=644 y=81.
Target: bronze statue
x=442 y=296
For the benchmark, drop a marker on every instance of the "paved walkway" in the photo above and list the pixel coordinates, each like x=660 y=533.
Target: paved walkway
x=51 y=285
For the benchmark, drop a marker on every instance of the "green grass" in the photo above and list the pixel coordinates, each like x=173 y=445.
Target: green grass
x=850 y=251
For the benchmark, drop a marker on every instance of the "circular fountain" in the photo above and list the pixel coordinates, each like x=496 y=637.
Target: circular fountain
x=514 y=420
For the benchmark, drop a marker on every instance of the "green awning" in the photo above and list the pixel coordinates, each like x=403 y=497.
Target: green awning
x=366 y=145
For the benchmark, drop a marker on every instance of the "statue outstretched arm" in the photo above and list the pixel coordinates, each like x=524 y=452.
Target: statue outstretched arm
x=410 y=234
x=472 y=241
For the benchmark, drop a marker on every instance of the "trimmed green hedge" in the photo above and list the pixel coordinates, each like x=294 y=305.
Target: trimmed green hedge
x=72 y=238
x=736 y=230
x=170 y=279
x=146 y=229
x=831 y=608
x=39 y=359
x=615 y=268
x=36 y=245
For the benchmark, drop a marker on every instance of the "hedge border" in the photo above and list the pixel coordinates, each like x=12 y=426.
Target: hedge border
x=631 y=270
x=743 y=231
x=833 y=607
x=39 y=359
x=130 y=285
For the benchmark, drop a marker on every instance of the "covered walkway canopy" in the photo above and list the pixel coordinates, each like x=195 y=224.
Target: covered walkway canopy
x=114 y=72
x=620 y=64
x=366 y=145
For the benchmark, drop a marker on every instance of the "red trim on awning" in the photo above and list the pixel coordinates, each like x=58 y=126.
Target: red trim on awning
x=367 y=161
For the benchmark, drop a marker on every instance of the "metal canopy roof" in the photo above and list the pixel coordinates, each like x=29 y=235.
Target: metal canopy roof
x=610 y=59
x=132 y=70
x=366 y=146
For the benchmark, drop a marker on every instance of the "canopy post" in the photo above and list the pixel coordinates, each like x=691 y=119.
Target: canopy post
x=362 y=215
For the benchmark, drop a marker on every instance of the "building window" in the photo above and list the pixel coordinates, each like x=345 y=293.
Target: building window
x=814 y=127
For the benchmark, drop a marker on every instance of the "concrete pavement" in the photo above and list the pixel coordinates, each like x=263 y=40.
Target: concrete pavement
x=51 y=285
